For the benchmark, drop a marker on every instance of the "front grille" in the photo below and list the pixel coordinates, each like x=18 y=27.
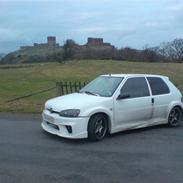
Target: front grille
x=53 y=125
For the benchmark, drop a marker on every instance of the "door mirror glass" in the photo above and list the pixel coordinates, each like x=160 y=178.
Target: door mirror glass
x=123 y=96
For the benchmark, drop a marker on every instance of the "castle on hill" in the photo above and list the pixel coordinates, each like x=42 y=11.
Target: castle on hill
x=52 y=43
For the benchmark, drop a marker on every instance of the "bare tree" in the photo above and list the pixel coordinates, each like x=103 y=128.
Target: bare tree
x=173 y=51
x=150 y=54
x=177 y=46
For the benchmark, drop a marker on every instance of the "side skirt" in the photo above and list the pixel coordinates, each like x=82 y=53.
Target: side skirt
x=136 y=126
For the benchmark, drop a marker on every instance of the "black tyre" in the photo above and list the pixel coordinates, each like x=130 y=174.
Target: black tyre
x=175 y=117
x=97 y=127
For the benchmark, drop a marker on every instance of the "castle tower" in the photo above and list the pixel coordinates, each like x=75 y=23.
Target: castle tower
x=95 y=41
x=51 y=40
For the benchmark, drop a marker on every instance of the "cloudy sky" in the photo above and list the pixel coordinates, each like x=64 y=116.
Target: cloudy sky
x=133 y=23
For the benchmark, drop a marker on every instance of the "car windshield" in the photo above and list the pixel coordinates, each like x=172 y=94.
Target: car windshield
x=103 y=86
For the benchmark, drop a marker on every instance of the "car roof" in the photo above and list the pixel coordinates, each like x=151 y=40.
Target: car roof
x=135 y=75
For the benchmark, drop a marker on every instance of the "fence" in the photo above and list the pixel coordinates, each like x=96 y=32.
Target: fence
x=63 y=88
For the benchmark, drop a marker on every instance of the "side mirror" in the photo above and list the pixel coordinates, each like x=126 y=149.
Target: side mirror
x=123 y=96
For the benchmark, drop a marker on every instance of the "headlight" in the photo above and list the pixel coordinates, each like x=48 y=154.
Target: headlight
x=70 y=113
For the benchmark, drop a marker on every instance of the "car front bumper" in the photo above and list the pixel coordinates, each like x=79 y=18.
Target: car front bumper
x=73 y=128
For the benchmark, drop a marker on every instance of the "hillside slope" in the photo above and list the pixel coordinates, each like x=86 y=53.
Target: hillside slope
x=33 y=55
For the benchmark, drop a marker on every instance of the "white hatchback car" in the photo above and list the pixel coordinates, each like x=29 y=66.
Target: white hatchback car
x=113 y=103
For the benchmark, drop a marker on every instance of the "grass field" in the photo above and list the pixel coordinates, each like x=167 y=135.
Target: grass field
x=19 y=80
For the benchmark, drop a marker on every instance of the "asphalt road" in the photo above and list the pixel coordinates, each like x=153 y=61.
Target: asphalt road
x=29 y=155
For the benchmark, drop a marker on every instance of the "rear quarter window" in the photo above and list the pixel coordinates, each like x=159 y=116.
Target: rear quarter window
x=158 y=86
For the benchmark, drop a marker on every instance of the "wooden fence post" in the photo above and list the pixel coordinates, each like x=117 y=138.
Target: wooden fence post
x=58 y=89
x=79 y=85
x=70 y=84
x=75 y=86
x=66 y=87
x=62 y=88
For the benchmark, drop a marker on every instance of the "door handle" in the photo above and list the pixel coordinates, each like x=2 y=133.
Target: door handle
x=152 y=100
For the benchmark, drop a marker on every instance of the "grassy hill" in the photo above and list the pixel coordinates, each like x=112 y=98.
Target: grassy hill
x=19 y=80
x=32 y=55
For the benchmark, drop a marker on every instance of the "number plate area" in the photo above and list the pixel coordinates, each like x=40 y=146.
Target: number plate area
x=48 y=118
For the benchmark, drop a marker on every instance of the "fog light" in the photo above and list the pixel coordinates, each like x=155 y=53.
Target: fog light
x=69 y=128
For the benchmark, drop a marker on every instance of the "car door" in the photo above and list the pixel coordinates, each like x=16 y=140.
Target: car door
x=135 y=104
x=161 y=98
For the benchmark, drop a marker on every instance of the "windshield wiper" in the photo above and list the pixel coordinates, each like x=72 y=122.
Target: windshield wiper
x=91 y=93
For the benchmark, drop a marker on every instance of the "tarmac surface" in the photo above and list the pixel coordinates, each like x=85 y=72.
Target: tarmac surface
x=30 y=155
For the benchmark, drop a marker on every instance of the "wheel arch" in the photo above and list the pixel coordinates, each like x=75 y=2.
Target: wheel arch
x=108 y=117
x=175 y=104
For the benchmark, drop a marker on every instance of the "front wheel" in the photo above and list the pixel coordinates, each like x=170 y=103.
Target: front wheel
x=175 y=117
x=97 y=127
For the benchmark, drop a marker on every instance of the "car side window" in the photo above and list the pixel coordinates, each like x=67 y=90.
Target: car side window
x=158 y=86
x=135 y=87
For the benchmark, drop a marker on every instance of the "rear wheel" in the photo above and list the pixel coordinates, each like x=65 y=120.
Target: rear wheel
x=97 y=127
x=175 y=117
